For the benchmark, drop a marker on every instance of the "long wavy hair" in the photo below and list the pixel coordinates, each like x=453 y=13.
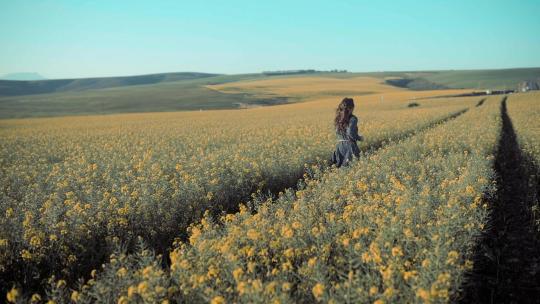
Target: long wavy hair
x=343 y=114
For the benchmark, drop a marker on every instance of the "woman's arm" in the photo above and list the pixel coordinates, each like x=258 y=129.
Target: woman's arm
x=353 y=129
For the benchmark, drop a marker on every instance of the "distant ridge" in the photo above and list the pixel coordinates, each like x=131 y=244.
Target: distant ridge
x=17 y=87
x=23 y=76
x=501 y=79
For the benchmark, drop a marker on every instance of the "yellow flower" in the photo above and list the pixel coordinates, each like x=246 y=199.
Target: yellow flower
x=251 y=266
x=443 y=277
x=379 y=301
x=253 y=234
x=142 y=287
x=212 y=271
x=147 y=271
x=270 y=288
x=35 y=298
x=26 y=255
x=366 y=257
x=132 y=290
x=409 y=274
x=287 y=232
x=195 y=234
x=160 y=290
x=242 y=288
x=123 y=300
x=423 y=294
x=359 y=232
x=389 y=292
x=396 y=251
x=218 y=300
x=12 y=295
x=408 y=232
x=237 y=273
x=452 y=257
x=287 y=266
x=289 y=253
x=318 y=290
x=373 y=290
x=121 y=272
x=75 y=296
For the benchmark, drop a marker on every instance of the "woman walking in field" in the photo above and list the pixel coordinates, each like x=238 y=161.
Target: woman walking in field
x=347 y=134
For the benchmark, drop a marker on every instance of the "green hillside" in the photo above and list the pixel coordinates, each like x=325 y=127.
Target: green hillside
x=463 y=79
x=484 y=79
x=164 y=96
x=16 y=87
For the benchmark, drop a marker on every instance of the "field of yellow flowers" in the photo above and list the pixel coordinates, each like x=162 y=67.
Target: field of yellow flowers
x=398 y=225
x=524 y=109
x=75 y=188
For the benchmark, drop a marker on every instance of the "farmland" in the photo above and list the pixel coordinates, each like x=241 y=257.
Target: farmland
x=201 y=91
x=176 y=204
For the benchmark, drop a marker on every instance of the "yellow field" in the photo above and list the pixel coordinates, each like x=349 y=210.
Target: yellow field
x=398 y=225
x=76 y=187
x=315 y=88
x=525 y=112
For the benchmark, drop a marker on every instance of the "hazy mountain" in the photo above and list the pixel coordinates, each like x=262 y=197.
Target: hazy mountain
x=23 y=76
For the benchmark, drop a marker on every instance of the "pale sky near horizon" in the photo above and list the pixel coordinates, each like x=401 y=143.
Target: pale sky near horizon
x=71 y=39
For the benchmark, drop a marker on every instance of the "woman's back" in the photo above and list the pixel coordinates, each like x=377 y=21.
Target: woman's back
x=347 y=134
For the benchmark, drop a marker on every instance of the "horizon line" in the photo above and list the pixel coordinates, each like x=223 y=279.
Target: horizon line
x=262 y=72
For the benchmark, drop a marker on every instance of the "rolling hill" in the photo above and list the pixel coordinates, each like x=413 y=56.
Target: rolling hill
x=194 y=91
x=14 y=88
x=78 y=98
x=465 y=79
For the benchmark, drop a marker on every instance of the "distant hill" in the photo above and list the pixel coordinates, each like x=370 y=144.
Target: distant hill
x=14 y=88
x=417 y=84
x=464 y=79
x=189 y=91
x=180 y=95
x=22 y=76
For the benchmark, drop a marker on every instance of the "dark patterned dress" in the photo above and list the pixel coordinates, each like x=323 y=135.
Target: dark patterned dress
x=346 y=148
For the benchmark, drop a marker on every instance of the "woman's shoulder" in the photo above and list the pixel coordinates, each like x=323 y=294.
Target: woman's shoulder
x=354 y=118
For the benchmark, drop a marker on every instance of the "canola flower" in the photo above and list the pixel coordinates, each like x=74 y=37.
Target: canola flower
x=76 y=187
x=421 y=201
x=524 y=110
x=397 y=226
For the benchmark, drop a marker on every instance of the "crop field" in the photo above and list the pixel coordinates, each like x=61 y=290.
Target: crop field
x=242 y=205
x=525 y=112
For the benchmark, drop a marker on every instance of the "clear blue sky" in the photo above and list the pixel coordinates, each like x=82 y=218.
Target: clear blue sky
x=106 y=38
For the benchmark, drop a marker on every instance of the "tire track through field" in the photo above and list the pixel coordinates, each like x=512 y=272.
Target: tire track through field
x=372 y=148
x=507 y=257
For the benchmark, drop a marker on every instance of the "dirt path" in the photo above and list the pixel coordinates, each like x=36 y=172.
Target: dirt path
x=507 y=261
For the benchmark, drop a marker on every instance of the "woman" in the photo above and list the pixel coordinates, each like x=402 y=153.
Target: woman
x=347 y=134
